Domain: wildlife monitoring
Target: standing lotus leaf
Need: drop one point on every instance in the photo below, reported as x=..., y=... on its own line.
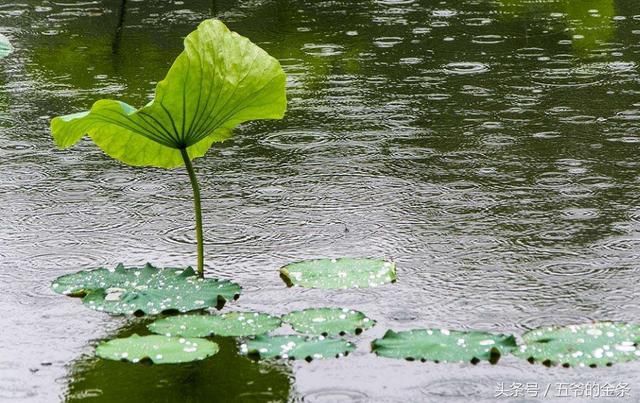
x=441, y=345
x=295, y=347
x=339, y=273
x=234, y=324
x=157, y=349
x=593, y=344
x=5, y=47
x=220, y=80
x=146, y=290
x=328, y=321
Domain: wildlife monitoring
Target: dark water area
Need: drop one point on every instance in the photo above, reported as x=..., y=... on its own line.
x=489, y=147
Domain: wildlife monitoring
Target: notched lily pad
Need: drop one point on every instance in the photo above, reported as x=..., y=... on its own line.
x=328, y=321
x=593, y=344
x=339, y=273
x=295, y=347
x=5, y=46
x=235, y=324
x=146, y=290
x=157, y=349
x=441, y=345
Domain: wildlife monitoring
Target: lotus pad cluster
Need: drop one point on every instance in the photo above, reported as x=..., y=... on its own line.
x=339, y=273
x=148, y=290
x=593, y=344
x=442, y=345
x=235, y=324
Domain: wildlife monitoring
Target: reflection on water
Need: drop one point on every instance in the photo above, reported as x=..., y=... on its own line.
x=225, y=377
x=587, y=25
x=489, y=147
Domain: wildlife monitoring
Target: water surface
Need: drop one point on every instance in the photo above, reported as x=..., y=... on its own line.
x=489, y=148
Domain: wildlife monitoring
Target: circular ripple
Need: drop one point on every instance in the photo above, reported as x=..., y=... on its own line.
x=488, y=39
x=296, y=140
x=323, y=50
x=455, y=388
x=26, y=175
x=116, y=179
x=553, y=318
x=580, y=214
x=529, y=53
x=461, y=68
x=88, y=219
x=334, y=395
x=394, y=2
x=146, y=188
x=579, y=119
x=66, y=260
x=572, y=269
x=222, y=234
x=478, y=21
x=405, y=316
x=622, y=245
x=566, y=77
x=387, y=42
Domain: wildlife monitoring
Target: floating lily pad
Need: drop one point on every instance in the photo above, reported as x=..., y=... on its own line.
x=235, y=324
x=296, y=347
x=147, y=290
x=328, y=321
x=441, y=345
x=339, y=273
x=157, y=349
x=5, y=46
x=593, y=344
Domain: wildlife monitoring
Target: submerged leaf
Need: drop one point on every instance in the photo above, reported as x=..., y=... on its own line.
x=5, y=46
x=339, y=273
x=441, y=345
x=328, y=321
x=296, y=347
x=157, y=349
x=148, y=289
x=593, y=344
x=220, y=80
x=235, y=324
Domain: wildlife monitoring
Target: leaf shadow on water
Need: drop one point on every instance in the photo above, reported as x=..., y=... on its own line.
x=224, y=377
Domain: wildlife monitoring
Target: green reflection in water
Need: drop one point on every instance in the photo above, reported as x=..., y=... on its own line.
x=588, y=23
x=225, y=377
x=593, y=28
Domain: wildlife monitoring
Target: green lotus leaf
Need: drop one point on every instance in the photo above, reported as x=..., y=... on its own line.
x=147, y=290
x=235, y=324
x=328, y=321
x=220, y=80
x=593, y=344
x=157, y=349
x=441, y=345
x=339, y=273
x=5, y=46
x=295, y=347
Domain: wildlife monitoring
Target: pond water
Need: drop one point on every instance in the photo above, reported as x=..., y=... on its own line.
x=489, y=148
